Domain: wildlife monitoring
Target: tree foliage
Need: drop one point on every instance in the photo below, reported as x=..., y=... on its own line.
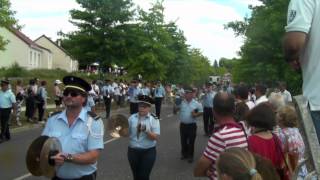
x=6, y=19
x=261, y=55
x=117, y=32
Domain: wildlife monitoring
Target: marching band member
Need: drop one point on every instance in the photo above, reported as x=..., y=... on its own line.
x=144, y=129
x=79, y=131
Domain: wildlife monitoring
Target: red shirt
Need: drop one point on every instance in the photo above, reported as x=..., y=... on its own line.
x=266, y=148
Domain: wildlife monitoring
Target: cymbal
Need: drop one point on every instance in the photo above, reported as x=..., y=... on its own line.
x=118, y=125
x=51, y=147
x=33, y=155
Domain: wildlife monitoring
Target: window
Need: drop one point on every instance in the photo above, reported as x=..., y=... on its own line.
x=34, y=59
x=30, y=59
x=39, y=62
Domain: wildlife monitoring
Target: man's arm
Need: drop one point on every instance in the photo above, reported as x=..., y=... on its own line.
x=202, y=167
x=89, y=157
x=294, y=43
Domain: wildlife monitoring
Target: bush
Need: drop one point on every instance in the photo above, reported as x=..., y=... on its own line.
x=15, y=71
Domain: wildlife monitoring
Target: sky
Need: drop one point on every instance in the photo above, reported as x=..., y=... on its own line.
x=202, y=21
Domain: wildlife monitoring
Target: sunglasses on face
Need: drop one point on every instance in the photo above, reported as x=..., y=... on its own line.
x=71, y=92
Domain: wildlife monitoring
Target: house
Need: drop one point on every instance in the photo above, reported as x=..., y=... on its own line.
x=23, y=51
x=60, y=57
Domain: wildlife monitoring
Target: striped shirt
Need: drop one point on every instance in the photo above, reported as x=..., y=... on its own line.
x=226, y=136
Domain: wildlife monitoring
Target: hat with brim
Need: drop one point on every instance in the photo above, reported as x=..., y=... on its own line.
x=57, y=81
x=77, y=83
x=145, y=100
x=188, y=89
x=4, y=82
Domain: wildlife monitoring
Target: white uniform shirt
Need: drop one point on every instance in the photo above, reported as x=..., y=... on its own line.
x=304, y=16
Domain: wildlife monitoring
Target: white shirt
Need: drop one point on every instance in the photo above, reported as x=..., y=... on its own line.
x=286, y=96
x=261, y=99
x=250, y=104
x=304, y=16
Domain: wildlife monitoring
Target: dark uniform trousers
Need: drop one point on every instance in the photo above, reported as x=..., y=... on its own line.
x=158, y=102
x=92, y=176
x=188, y=133
x=134, y=108
x=141, y=162
x=107, y=103
x=208, y=122
x=4, y=117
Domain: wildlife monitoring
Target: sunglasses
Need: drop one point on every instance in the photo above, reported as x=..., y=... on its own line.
x=71, y=92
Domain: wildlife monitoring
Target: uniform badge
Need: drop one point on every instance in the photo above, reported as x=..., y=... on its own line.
x=292, y=15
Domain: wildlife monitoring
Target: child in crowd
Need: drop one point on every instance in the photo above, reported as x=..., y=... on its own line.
x=239, y=164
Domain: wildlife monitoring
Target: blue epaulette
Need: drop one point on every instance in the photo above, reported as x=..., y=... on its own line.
x=93, y=115
x=55, y=113
x=155, y=116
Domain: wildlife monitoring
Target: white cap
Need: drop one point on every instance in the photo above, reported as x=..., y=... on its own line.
x=57, y=81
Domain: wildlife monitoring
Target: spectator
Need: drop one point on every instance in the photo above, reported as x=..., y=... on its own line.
x=285, y=93
x=42, y=97
x=237, y=164
x=262, y=141
x=57, y=94
x=261, y=93
x=20, y=94
x=30, y=101
x=302, y=50
x=291, y=139
x=226, y=135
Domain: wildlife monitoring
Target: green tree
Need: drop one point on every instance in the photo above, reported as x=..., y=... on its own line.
x=101, y=31
x=6, y=20
x=151, y=53
x=215, y=64
x=261, y=55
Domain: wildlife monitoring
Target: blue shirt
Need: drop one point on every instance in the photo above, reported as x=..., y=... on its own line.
x=133, y=94
x=78, y=138
x=143, y=142
x=7, y=98
x=90, y=103
x=186, y=109
x=208, y=99
x=160, y=92
x=145, y=91
x=43, y=93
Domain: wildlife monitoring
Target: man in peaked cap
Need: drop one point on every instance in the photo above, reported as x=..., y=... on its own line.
x=189, y=109
x=207, y=102
x=79, y=131
x=7, y=102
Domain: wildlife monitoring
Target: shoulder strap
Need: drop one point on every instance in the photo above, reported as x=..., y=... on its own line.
x=55, y=113
x=93, y=115
x=275, y=139
x=155, y=116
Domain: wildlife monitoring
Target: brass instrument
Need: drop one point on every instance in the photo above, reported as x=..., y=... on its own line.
x=118, y=125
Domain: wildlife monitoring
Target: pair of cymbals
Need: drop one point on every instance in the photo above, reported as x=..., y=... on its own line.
x=38, y=159
x=118, y=125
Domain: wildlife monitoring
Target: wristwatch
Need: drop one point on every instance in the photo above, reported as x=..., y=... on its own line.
x=68, y=158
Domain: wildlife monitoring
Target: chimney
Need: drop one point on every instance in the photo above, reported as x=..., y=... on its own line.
x=59, y=42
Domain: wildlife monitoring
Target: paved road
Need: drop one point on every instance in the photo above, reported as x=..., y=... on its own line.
x=113, y=163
